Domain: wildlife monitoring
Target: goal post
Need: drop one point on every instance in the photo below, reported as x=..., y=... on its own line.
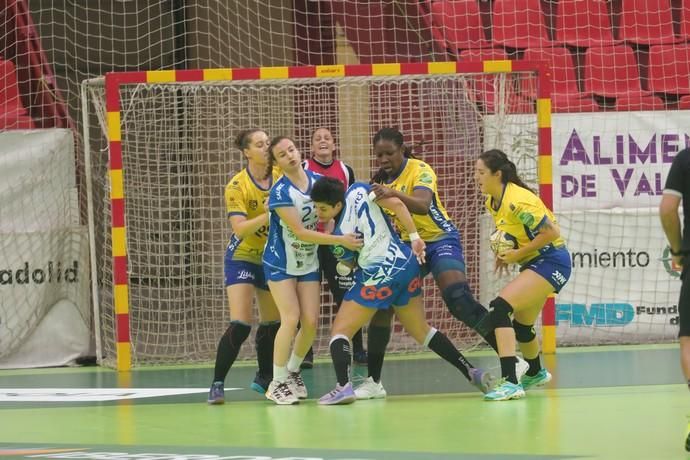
x=158, y=212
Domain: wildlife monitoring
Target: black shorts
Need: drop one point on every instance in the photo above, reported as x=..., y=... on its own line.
x=684, y=300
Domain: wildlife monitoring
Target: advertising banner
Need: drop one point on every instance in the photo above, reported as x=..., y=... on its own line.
x=45, y=315
x=608, y=176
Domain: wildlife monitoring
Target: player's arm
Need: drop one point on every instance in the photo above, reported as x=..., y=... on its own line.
x=670, y=221
x=547, y=232
x=397, y=207
x=288, y=214
x=243, y=227
x=417, y=203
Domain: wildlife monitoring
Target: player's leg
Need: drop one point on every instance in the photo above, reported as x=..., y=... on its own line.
x=284, y=293
x=378, y=336
x=308, y=293
x=684, y=332
x=350, y=318
x=338, y=285
x=522, y=293
x=414, y=321
x=269, y=322
x=447, y=265
x=523, y=324
x=240, y=299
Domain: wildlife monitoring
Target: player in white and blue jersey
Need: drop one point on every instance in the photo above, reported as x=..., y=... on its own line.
x=387, y=275
x=291, y=267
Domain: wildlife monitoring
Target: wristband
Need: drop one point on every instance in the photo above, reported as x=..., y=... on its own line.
x=414, y=236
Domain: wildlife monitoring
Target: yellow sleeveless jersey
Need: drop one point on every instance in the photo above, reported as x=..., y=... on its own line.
x=520, y=214
x=435, y=225
x=245, y=198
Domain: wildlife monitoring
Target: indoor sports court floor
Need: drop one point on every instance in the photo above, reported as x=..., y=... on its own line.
x=604, y=403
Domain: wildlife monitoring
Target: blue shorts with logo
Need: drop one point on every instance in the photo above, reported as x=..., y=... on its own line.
x=274, y=274
x=443, y=255
x=243, y=272
x=397, y=292
x=555, y=266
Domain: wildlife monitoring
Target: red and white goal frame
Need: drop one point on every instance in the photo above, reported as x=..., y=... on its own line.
x=115, y=80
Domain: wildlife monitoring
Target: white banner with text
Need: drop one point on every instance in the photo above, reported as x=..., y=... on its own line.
x=45, y=315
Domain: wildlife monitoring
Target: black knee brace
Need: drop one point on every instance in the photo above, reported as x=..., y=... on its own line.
x=524, y=333
x=237, y=333
x=500, y=313
x=462, y=305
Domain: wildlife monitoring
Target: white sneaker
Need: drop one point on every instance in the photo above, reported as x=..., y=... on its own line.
x=521, y=368
x=370, y=390
x=281, y=394
x=297, y=385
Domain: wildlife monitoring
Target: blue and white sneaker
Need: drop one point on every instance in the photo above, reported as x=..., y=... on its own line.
x=504, y=391
x=216, y=394
x=540, y=379
x=339, y=395
x=482, y=379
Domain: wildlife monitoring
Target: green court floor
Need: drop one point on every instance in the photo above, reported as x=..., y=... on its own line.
x=604, y=403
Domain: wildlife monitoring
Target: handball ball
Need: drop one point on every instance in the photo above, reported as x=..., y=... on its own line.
x=501, y=241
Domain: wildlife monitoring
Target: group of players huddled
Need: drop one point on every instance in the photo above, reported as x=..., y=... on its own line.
x=294, y=221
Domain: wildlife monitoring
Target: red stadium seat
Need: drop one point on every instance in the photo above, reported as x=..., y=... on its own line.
x=583, y=23
x=611, y=71
x=519, y=24
x=563, y=77
x=573, y=104
x=684, y=103
x=646, y=22
x=637, y=102
x=9, y=90
x=482, y=88
x=565, y=95
x=460, y=23
x=685, y=20
x=669, y=69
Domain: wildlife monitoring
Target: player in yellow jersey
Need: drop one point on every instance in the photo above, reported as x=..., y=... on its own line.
x=528, y=235
x=245, y=197
x=414, y=183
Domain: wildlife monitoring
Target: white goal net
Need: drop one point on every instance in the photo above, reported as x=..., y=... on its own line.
x=177, y=155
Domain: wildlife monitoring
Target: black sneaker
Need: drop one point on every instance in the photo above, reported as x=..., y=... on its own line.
x=260, y=383
x=361, y=358
x=308, y=362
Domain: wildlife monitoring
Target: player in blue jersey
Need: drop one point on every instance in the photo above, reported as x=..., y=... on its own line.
x=528, y=235
x=291, y=267
x=245, y=196
x=387, y=276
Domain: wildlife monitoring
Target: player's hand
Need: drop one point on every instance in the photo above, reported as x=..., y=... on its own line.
x=678, y=261
x=419, y=249
x=501, y=268
x=382, y=191
x=510, y=256
x=351, y=241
